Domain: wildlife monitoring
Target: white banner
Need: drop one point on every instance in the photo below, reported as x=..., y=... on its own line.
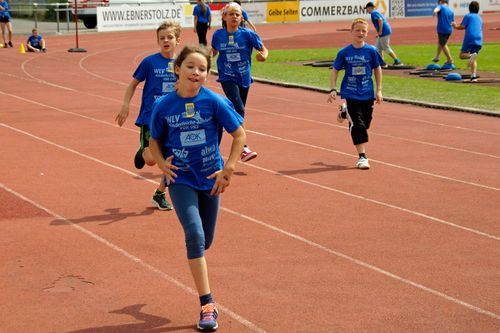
x=339, y=10
x=119, y=18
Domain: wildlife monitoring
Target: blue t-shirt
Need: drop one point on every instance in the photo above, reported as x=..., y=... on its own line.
x=197, y=12
x=445, y=17
x=6, y=13
x=473, y=29
x=35, y=41
x=158, y=72
x=235, y=54
x=189, y=128
x=358, y=64
x=386, y=28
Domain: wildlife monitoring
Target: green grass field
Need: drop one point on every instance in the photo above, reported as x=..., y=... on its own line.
x=286, y=66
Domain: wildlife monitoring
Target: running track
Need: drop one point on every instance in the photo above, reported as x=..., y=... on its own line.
x=305, y=242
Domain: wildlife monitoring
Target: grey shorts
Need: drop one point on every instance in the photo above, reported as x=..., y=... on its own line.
x=383, y=43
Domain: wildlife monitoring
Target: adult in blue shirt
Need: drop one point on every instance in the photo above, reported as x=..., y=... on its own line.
x=445, y=19
x=384, y=32
x=5, y=23
x=359, y=61
x=473, y=38
x=202, y=21
x=235, y=45
x=185, y=144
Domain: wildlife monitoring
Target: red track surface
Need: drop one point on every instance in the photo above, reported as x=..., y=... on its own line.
x=305, y=242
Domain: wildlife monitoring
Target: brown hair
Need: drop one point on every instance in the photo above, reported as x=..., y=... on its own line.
x=189, y=49
x=175, y=26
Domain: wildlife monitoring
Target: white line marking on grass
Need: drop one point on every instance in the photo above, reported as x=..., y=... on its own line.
x=135, y=259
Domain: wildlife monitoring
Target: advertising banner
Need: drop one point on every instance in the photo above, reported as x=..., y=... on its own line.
x=119, y=18
x=340, y=10
x=419, y=7
x=286, y=11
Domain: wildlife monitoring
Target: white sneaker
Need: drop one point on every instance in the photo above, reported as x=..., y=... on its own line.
x=363, y=163
x=472, y=58
x=247, y=154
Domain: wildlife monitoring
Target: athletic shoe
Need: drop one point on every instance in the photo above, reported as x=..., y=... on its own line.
x=449, y=62
x=342, y=114
x=472, y=58
x=160, y=202
x=247, y=154
x=397, y=62
x=44, y=50
x=139, y=160
x=474, y=77
x=10, y=44
x=208, y=318
x=363, y=163
x=435, y=59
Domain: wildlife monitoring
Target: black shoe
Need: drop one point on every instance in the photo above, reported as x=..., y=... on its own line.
x=160, y=202
x=139, y=160
x=10, y=44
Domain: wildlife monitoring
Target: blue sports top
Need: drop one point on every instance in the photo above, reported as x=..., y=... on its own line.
x=158, y=72
x=189, y=128
x=35, y=41
x=386, y=28
x=473, y=29
x=235, y=54
x=445, y=17
x=5, y=5
x=197, y=12
x=358, y=64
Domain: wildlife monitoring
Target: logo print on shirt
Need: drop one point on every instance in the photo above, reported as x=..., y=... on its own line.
x=193, y=138
x=170, y=67
x=231, y=40
x=190, y=111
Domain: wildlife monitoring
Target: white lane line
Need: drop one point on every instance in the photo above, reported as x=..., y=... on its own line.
x=278, y=138
x=135, y=259
x=253, y=220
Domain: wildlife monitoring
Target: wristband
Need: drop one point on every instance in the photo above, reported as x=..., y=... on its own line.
x=333, y=89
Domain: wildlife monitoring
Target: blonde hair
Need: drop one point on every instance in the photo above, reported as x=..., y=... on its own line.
x=358, y=20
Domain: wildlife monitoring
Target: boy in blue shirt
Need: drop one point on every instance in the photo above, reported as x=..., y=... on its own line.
x=359, y=60
x=157, y=70
x=185, y=128
x=35, y=42
x=473, y=38
x=445, y=20
x=384, y=32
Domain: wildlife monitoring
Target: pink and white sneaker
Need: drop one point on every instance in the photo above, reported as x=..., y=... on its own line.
x=247, y=154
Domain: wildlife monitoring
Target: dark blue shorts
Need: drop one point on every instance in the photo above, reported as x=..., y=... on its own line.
x=471, y=48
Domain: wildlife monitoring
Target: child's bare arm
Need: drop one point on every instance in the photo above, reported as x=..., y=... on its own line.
x=129, y=93
x=378, y=82
x=332, y=95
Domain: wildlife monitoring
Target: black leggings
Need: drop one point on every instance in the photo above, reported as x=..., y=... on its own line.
x=360, y=118
x=201, y=30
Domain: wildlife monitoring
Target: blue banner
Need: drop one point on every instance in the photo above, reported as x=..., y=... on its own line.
x=419, y=7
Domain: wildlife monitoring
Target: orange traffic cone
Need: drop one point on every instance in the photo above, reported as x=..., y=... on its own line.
x=21, y=49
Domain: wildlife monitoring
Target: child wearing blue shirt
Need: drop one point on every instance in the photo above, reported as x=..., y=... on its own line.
x=35, y=42
x=445, y=20
x=473, y=38
x=384, y=32
x=157, y=71
x=202, y=21
x=5, y=23
x=234, y=45
x=359, y=61
x=185, y=128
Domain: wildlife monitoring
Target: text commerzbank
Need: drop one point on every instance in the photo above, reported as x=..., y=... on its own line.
x=345, y=10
